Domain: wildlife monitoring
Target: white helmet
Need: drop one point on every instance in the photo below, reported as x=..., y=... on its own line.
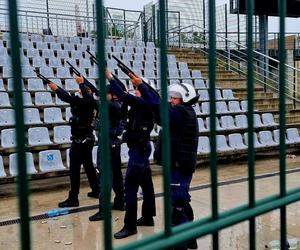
x=182, y=90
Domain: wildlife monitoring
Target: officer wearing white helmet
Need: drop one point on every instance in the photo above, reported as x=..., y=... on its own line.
x=184, y=142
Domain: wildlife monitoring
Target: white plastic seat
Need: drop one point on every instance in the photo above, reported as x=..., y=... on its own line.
x=27, y=72
x=183, y=66
x=257, y=121
x=150, y=50
x=127, y=57
x=3, y=51
x=227, y=94
x=124, y=153
x=36, y=38
x=257, y=144
x=63, y=72
x=139, y=57
x=62, y=39
x=94, y=73
x=5, y=61
x=31, y=53
x=150, y=57
x=207, y=120
x=140, y=44
x=112, y=64
x=47, y=72
x=38, y=136
x=68, y=47
x=222, y=145
x=7, y=117
x=25, y=44
x=199, y=84
x=86, y=40
x=197, y=109
x=59, y=102
x=13, y=164
x=244, y=105
x=53, y=115
x=2, y=171
x=185, y=74
x=50, y=160
x=38, y=61
x=10, y=84
x=196, y=73
x=117, y=49
x=76, y=54
x=234, y=107
x=81, y=47
x=47, y=53
x=236, y=141
x=35, y=84
x=27, y=101
x=129, y=49
x=68, y=113
x=205, y=107
x=266, y=138
x=221, y=107
x=268, y=119
x=149, y=73
x=227, y=122
x=56, y=81
x=74, y=40
x=7, y=72
x=85, y=63
x=293, y=135
x=4, y=100
x=62, y=134
x=54, y=62
x=8, y=138
x=43, y=99
x=63, y=54
x=203, y=145
x=276, y=137
x=55, y=46
x=49, y=39
x=201, y=125
x=203, y=95
x=41, y=45
x=71, y=85
x=2, y=85
x=32, y=116
x=241, y=121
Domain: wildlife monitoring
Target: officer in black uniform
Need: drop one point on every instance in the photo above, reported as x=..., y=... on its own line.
x=137, y=136
x=116, y=127
x=84, y=109
x=184, y=142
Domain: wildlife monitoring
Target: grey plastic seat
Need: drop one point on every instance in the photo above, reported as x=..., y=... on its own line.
x=149, y=65
x=4, y=100
x=221, y=107
x=196, y=73
x=86, y=40
x=85, y=63
x=207, y=120
x=127, y=57
x=268, y=119
x=5, y=61
x=81, y=47
x=139, y=57
x=276, y=137
x=49, y=39
x=173, y=73
x=25, y=44
x=197, y=109
x=203, y=95
x=43, y=99
x=257, y=144
x=205, y=107
x=241, y=121
x=36, y=38
x=124, y=153
x=117, y=49
x=7, y=117
x=71, y=85
x=227, y=122
x=62, y=134
x=8, y=138
x=74, y=40
x=129, y=50
x=183, y=66
x=55, y=46
x=109, y=42
x=130, y=43
x=149, y=73
x=140, y=44
x=266, y=138
x=47, y=53
x=56, y=81
x=27, y=101
x=94, y=73
x=185, y=74
x=76, y=54
x=201, y=125
x=62, y=39
x=2, y=85
x=13, y=164
x=222, y=145
x=203, y=145
x=27, y=72
x=55, y=62
x=53, y=115
x=2, y=171
x=236, y=141
x=63, y=72
x=59, y=102
x=3, y=51
x=47, y=72
x=7, y=72
x=257, y=121
x=293, y=135
x=32, y=116
x=41, y=45
x=171, y=58
x=38, y=61
x=244, y=105
x=150, y=57
x=38, y=136
x=50, y=160
x=31, y=53
x=218, y=94
x=228, y=94
x=234, y=107
x=68, y=47
x=150, y=50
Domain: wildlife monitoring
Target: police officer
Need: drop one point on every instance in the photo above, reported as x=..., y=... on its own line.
x=184, y=142
x=137, y=136
x=84, y=109
x=116, y=126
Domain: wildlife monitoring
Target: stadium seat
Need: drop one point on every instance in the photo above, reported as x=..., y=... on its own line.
x=27, y=101
x=234, y=107
x=55, y=46
x=227, y=94
x=13, y=164
x=124, y=153
x=266, y=138
x=7, y=117
x=196, y=73
x=130, y=43
x=7, y=71
x=47, y=53
x=185, y=74
x=86, y=40
x=203, y=95
x=222, y=145
x=36, y=38
x=201, y=125
x=268, y=119
x=49, y=39
x=197, y=109
x=221, y=107
x=8, y=138
x=257, y=121
x=50, y=160
x=38, y=61
x=2, y=171
x=5, y=61
x=76, y=54
x=150, y=57
x=276, y=137
x=2, y=85
x=62, y=39
x=54, y=62
x=227, y=122
x=3, y=52
x=59, y=102
x=27, y=72
x=257, y=144
x=47, y=72
x=32, y=116
x=71, y=85
x=236, y=141
x=149, y=73
x=53, y=115
x=218, y=127
x=244, y=105
x=150, y=50
x=68, y=113
x=241, y=121
x=10, y=86
x=63, y=72
x=43, y=99
x=41, y=45
x=35, y=84
x=199, y=84
x=203, y=145
x=4, y=100
x=140, y=44
x=62, y=134
x=62, y=54
x=109, y=42
x=38, y=136
x=85, y=63
x=139, y=57
x=67, y=47
x=293, y=135
x=74, y=40
x=205, y=107
x=129, y=50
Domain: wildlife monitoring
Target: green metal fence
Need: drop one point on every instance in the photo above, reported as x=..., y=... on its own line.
x=218, y=220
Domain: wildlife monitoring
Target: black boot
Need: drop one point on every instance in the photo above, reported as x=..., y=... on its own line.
x=70, y=202
x=93, y=194
x=96, y=217
x=145, y=221
x=192, y=244
x=124, y=232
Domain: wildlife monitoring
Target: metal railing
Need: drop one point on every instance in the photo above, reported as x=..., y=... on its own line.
x=170, y=237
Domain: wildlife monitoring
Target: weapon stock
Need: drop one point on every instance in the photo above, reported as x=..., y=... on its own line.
x=45, y=80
